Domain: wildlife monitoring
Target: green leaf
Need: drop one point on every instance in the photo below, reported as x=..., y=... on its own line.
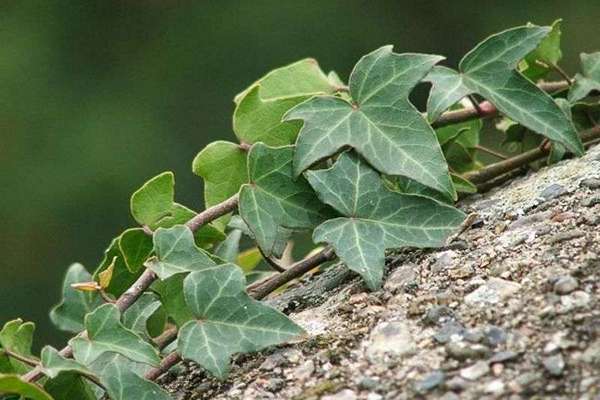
x=122, y=380
x=374, y=218
x=136, y=247
x=69, y=386
x=145, y=311
x=53, y=363
x=122, y=277
x=274, y=202
x=459, y=143
x=539, y=62
x=227, y=321
x=463, y=185
x=260, y=108
x=589, y=81
x=173, y=300
x=16, y=336
x=381, y=124
x=69, y=314
x=249, y=259
x=176, y=252
x=12, y=384
x=281, y=240
x=154, y=205
x=229, y=249
x=106, y=333
x=489, y=70
x=153, y=201
x=222, y=165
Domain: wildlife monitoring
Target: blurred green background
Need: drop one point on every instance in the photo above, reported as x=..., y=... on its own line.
x=98, y=96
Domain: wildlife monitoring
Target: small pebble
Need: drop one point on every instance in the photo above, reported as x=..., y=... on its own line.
x=565, y=284
x=554, y=364
x=430, y=381
x=475, y=371
x=591, y=183
x=591, y=201
x=564, y=236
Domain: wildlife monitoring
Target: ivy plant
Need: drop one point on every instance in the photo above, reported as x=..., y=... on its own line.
x=357, y=165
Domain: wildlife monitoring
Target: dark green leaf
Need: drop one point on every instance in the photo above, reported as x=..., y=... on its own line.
x=489, y=70
x=69, y=314
x=228, y=320
x=274, y=202
x=381, y=123
x=374, y=218
x=136, y=247
x=12, y=384
x=176, y=252
x=146, y=311
x=539, y=62
x=106, y=333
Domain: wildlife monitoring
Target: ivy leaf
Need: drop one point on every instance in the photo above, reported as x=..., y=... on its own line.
x=589, y=81
x=374, y=218
x=69, y=386
x=260, y=108
x=539, y=62
x=16, y=336
x=12, y=384
x=106, y=333
x=173, y=300
x=69, y=314
x=229, y=248
x=281, y=240
x=53, y=363
x=176, y=252
x=154, y=205
x=489, y=70
x=381, y=124
x=274, y=202
x=222, y=165
x=249, y=259
x=144, y=313
x=122, y=379
x=227, y=321
x=122, y=277
x=459, y=143
x=136, y=247
x=463, y=185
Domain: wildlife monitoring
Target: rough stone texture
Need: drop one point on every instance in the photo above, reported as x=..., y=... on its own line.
x=511, y=309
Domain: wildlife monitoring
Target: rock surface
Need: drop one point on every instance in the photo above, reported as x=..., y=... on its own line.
x=511, y=309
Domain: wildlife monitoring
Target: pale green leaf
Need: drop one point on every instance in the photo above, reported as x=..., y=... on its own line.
x=106, y=333
x=53, y=363
x=463, y=185
x=260, y=108
x=152, y=202
x=374, y=218
x=122, y=277
x=176, y=252
x=222, y=165
x=275, y=202
x=380, y=123
x=539, y=62
x=249, y=259
x=16, y=336
x=589, y=80
x=140, y=315
x=12, y=384
x=229, y=248
x=227, y=321
x=489, y=70
x=69, y=314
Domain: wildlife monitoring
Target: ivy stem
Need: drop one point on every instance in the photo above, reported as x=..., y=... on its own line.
x=495, y=170
x=487, y=109
x=18, y=357
x=491, y=152
x=214, y=212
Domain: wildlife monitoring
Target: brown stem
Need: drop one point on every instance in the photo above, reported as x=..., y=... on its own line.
x=261, y=289
x=487, y=109
x=214, y=212
x=271, y=261
x=165, y=364
x=491, y=152
x=18, y=357
x=500, y=168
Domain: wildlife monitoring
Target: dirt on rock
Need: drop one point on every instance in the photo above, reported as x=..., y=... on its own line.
x=510, y=309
